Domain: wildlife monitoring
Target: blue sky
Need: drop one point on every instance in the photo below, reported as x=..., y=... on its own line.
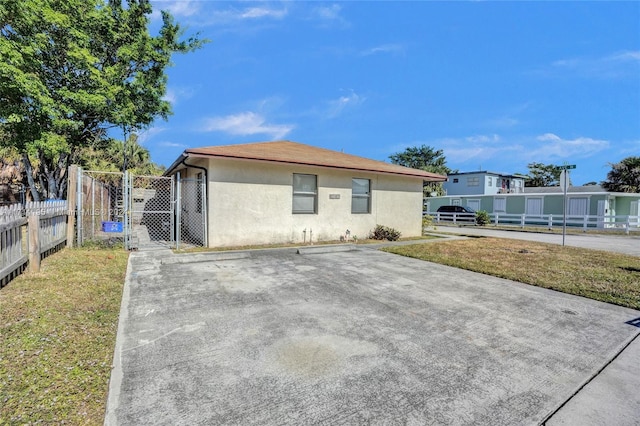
x=495, y=85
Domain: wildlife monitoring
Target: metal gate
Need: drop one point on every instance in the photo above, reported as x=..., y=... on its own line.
x=100, y=207
x=142, y=212
x=192, y=212
x=149, y=221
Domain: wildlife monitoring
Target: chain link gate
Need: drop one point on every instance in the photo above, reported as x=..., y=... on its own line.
x=100, y=206
x=192, y=212
x=150, y=206
x=141, y=211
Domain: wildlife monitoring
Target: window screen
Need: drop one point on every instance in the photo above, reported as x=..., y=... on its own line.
x=360, y=196
x=305, y=193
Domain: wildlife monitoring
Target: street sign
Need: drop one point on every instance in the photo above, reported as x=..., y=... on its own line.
x=567, y=167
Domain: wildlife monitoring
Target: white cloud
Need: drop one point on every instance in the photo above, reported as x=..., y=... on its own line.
x=625, y=56
x=483, y=138
x=245, y=124
x=509, y=118
x=168, y=144
x=262, y=12
x=613, y=66
x=330, y=16
x=384, y=48
x=552, y=146
x=511, y=154
x=174, y=95
x=178, y=8
x=145, y=135
x=336, y=106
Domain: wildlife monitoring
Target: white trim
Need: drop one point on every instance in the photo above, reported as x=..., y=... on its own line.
x=474, y=200
x=526, y=205
x=503, y=199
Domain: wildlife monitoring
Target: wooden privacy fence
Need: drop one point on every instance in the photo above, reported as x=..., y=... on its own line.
x=29, y=233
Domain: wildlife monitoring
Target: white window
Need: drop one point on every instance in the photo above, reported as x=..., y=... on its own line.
x=490, y=179
x=500, y=205
x=473, y=181
x=473, y=205
x=305, y=193
x=534, y=207
x=577, y=206
x=456, y=202
x=360, y=195
x=634, y=212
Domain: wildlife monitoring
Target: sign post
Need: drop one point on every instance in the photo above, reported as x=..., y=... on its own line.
x=564, y=184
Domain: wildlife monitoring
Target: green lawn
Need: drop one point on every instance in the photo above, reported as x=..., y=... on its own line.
x=599, y=275
x=57, y=336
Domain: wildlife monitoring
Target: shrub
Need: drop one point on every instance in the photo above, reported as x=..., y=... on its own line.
x=384, y=233
x=482, y=218
x=427, y=221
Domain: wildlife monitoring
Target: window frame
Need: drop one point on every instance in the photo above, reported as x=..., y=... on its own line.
x=366, y=195
x=304, y=194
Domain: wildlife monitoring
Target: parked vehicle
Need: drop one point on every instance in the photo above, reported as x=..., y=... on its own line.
x=456, y=214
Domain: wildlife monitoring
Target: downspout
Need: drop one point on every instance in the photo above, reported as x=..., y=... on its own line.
x=206, y=191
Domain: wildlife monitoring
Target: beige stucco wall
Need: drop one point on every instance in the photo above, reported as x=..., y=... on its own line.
x=250, y=203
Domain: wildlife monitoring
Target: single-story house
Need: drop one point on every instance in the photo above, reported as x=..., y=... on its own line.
x=283, y=191
x=600, y=207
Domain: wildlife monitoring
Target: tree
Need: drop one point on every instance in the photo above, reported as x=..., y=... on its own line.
x=624, y=176
x=113, y=155
x=424, y=158
x=543, y=175
x=71, y=70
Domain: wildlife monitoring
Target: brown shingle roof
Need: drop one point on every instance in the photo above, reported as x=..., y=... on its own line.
x=297, y=153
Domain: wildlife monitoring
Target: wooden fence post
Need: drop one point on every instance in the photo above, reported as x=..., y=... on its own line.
x=34, y=241
x=72, y=184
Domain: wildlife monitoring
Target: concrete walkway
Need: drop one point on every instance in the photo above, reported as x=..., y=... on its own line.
x=328, y=336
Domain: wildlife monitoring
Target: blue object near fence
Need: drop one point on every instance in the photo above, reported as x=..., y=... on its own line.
x=111, y=226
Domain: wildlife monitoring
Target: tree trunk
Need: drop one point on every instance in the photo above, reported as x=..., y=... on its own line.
x=48, y=173
x=28, y=169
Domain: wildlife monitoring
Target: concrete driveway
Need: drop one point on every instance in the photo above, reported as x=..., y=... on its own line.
x=359, y=337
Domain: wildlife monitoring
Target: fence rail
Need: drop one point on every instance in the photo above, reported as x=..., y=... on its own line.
x=29, y=233
x=550, y=221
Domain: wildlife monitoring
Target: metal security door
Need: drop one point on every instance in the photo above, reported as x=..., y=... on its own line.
x=191, y=214
x=150, y=219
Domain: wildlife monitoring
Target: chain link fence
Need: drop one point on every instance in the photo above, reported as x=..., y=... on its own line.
x=141, y=211
x=101, y=207
x=151, y=211
x=192, y=213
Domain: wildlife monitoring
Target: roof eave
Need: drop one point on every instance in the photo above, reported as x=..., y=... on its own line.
x=430, y=178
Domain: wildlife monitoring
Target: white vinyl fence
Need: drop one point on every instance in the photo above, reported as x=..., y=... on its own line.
x=29, y=233
x=550, y=221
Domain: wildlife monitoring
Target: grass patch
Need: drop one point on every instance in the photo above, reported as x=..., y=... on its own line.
x=541, y=229
x=599, y=275
x=57, y=336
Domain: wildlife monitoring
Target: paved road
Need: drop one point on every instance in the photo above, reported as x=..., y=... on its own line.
x=627, y=244
x=357, y=337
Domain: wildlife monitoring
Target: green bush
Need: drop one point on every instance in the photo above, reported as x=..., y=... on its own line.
x=384, y=233
x=482, y=218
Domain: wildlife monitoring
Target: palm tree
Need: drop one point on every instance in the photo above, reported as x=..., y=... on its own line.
x=624, y=176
